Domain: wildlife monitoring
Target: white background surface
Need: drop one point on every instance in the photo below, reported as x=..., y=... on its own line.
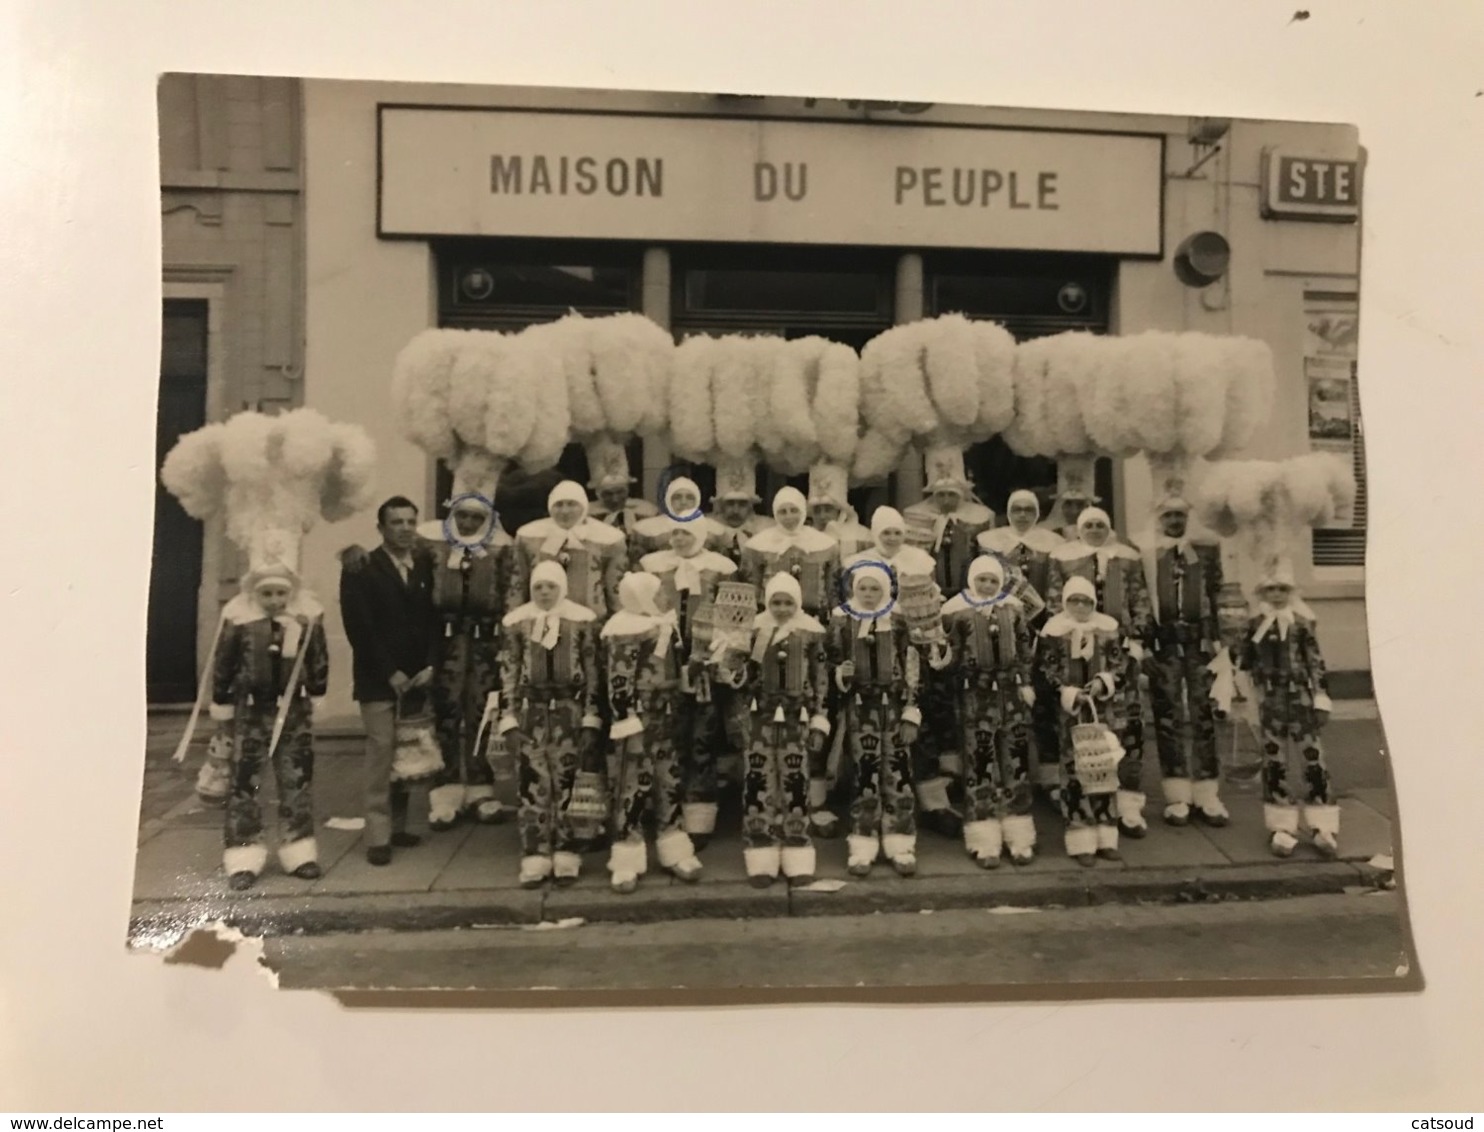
x=84, y=1026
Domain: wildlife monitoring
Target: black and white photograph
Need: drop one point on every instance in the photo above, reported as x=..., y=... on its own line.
x=623, y=541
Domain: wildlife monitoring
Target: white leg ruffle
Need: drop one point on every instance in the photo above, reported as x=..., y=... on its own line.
x=1130, y=805
x=1178, y=797
x=1325, y=822
x=566, y=865
x=1020, y=836
x=1206, y=798
x=1107, y=836
x=899, y=846
x=984, y=839
x=1280, y=818
x=534, y=870
x=629, y=857
x=698, y=818
x=245, y=858
x=1081, y=840
x=677, y=853
x=861, y=851
x=445, y=802
x=797, y=861
x=763, y=861
x=1282, y=823
x=293, y=854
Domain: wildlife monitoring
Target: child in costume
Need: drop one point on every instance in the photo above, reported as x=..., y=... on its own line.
x=1183, y=574
x=1027, y=548
x=1116, y=572
x=935, y=765
x=990, y=638
x=789, y=547
x=593, y=556
x=1281, y=654
x=269, y=477
x=876, y=673
x=642, y=659
x=688, y=575
x=787, y=676
x=1081, y=659
x=551, y=680
x=812, y=559
x=682, y=504
x=472, y=569
x=272, y=668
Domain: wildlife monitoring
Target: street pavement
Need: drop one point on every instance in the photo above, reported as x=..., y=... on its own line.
x=1209, y=948
x=466, y=877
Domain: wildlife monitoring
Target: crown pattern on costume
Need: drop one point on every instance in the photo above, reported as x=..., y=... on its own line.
x=1074, y=477
x=736, y=477
x=828, y=483
x=607, y=463
x=944, y=467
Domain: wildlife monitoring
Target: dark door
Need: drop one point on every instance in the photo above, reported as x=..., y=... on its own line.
x=175, y=575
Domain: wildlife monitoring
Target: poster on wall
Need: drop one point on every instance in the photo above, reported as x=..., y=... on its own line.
x=1332, y=331
x=1330, y=422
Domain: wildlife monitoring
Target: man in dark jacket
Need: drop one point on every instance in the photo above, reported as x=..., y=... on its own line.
x=387, y=608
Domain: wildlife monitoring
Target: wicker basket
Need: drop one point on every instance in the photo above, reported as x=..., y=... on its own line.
x=417, y=756
x=920, y=532
x=732, y=615
x=587, y=809
x=1096, y=754
x=919, y=601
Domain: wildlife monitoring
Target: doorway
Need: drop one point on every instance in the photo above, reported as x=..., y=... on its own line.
x=176, y=565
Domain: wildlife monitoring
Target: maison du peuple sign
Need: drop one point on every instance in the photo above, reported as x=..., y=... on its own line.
x=455, y=171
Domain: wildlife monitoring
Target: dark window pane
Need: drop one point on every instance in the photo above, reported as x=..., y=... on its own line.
x=541, y=285
x=1009, y=296
x=760, y=290
x=183, y=349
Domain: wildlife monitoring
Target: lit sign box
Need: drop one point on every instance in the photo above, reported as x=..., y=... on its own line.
x=482, y=172
x=1300, y=187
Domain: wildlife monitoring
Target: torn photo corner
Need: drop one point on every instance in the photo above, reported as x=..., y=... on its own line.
x=802, y=545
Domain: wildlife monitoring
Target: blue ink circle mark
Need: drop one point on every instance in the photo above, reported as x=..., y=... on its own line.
x=844, y=585
x=1006, y=583
x=667, y=477
x=450, y=533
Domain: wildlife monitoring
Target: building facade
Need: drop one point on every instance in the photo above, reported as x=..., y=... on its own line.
x=233, y=329
x=497, y=207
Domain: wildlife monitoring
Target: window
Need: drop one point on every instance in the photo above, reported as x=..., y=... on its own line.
x=783, y=291
x=1029, y=295
x=509, y=284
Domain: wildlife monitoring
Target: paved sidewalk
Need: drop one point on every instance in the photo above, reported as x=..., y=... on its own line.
x=466, y=877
